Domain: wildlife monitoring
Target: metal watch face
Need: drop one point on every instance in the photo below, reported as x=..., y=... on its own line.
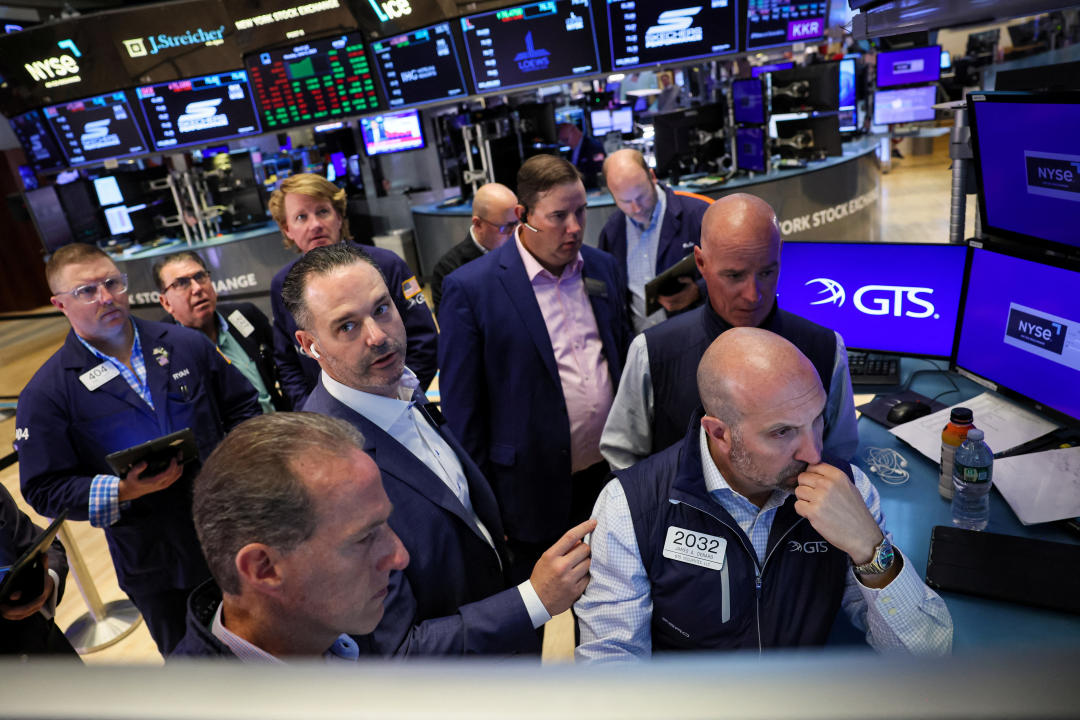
x=883, y=560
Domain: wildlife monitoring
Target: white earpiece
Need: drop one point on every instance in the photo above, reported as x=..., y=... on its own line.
x=315, y=352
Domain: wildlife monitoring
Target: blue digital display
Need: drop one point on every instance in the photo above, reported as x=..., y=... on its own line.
x=392, y=132
x=748, y=101
x=762, y=69
x=912, y=66
x=1021, y=329
x=750, y=149
x=846, y=104
x=1028, y=161
x=878, y=296
x=904, y=105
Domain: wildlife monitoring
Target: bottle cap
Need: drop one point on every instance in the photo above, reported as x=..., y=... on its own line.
x=975, y=434
x=960, y=415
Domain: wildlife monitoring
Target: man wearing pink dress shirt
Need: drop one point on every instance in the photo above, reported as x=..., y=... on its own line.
x=532, y=345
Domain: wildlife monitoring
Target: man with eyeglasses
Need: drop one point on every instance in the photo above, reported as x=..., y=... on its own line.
x=533, y=339
x=493, y=221
x=118, y=382
x=240, y=330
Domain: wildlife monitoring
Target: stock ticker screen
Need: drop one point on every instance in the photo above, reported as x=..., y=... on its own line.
x=37, y=140
x=420, y=66
x=535, y=43
x=312, y=82
x=779, y=22
x=186, y=112
x=96, y=128
x=648, y=32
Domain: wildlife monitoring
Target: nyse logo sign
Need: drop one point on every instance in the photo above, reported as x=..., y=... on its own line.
x=1053, y=175
x=1037, y=331
x=201, y=115
x=673, y=27
x=898, y=300
x=58, y=69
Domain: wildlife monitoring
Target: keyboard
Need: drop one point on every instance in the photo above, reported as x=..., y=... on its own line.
x=871, y=369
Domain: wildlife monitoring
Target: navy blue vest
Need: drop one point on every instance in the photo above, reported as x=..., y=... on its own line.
x=790, y=601
x=675, y=349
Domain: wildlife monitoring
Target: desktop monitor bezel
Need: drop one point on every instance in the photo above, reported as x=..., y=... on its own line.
x=935, y=67
x=907, y=88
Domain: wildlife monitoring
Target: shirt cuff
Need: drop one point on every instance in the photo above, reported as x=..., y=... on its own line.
x=104, y=500
x=538, y=614
x=906, y=590
x=49, y=608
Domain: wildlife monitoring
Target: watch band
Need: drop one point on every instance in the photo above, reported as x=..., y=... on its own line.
x=880, y=562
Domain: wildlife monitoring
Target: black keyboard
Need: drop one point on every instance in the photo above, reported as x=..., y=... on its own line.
x=871, y=369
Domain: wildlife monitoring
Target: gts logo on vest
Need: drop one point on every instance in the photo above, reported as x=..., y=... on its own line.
x=880, y=299
x=811, y=547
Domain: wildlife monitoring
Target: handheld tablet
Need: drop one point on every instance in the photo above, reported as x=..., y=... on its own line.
x=667, y=282
x=157, y=453
x=27, y=575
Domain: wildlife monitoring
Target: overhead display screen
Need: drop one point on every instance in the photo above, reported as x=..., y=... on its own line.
x=186, y=112
x=391, y=133
x=96, y=128
x=649, y=32
x=420, y=66
x=536, y=43
x=312, y=82
x=38, y=142
x=781, y=22
x=904, y=105
x=912, y=66
x=748, y=101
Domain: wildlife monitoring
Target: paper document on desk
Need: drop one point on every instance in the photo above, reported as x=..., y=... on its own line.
x=1005, y=425
x=1041, y=487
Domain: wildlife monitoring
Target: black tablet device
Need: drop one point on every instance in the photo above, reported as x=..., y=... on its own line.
x=157, y=453
x=667, y=282
x=27, y=575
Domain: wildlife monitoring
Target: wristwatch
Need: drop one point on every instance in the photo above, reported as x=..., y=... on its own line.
x=882, y=560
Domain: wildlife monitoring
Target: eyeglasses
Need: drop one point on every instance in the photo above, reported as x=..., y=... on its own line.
x=504, y=229
x=115, y=285
x=184, y=282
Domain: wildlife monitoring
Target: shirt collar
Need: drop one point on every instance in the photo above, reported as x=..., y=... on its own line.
x=136, y=346
x=715, y=482
x=344, y=647
x=383, y=411
x=657, y=213
x=533, y=266
x=476, y=242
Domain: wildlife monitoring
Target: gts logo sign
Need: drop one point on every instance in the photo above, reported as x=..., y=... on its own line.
x=898, y=300
x=811, y=547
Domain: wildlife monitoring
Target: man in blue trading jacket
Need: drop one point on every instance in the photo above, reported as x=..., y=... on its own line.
x=739, y=258
x=118, y=382
x=454, y=598
x=653, y=229
x=744, y=535
x=310, y=210
x=535, y=332
x=240, y=330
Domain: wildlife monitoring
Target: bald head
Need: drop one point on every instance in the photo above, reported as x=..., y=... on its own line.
x=632, y=184
x=493, y=208
x=746, y=370
x=740, y=258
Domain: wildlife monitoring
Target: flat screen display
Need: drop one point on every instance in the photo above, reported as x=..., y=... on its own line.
x=420, y=66
x=848, y=115
x=37, y=140
x=781, y=22
x=392, y=132
x=878, y=296
x=1027, y=162
x=912, y=66
x=904, y=105
x=748, y=101
x=750, y=149
x=1021, y=329
x=759, y=70
x=650, y=32
x=49, y=217
x=107, y=190
x=535, y=43
x=605, y=121
x=96, y=128
x=198, y=110
x=312, y=82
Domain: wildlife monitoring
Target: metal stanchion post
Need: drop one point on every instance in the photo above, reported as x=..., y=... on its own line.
x=106, y=623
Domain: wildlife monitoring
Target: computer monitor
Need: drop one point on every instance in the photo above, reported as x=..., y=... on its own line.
x=420, y=66
x=392, y=132
x=946, y=60
x=49, y=218
x=813, y=138
x=750, y=149
x=849, y=118
x=572, y=114
x=883, y=297
x=37, y=141
x=199, y=110
x=904, y=105
x=1027, y=166
x=982, y=43
x=759, y=70
x=536, y=43
x=96, y=128
x=108, y=191
x=622, y=120
x=688, y=137
x=312, y=82
x=652, y=32
x=810, y=88
x=911, y=66
x=768, y=23
x=748, y=101
x=600, y=121
x=1020, y=330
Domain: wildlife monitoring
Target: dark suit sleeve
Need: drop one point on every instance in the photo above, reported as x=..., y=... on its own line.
x=463, y=384
x=17, y=534
x=498, y=624
x=294, y=382
x=421, y=349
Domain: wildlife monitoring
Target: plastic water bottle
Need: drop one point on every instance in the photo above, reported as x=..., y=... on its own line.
x=973, y=469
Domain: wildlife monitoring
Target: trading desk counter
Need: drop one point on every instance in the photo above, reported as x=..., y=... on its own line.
x=835, y=200
x=914, y=508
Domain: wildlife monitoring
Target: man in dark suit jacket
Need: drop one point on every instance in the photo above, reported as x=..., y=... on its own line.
x=663, y=227
x=454, y=597
x=240, y=330
x=586, y=153
x=493, y=220
x=534, y=335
